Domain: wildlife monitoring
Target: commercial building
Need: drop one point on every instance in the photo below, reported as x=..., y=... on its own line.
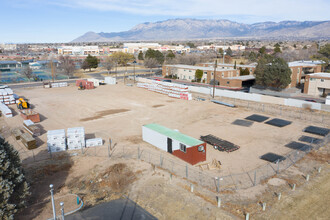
x=8, y=47
x=134, y=48
x=79, y=50
x=317, y=84
x=226, y=77
x=235, y=47
x=186, y=148
x=8, y=65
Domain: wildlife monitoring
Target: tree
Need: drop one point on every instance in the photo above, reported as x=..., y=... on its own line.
x=155, y=54
x=252, y=57
x=67, y=65
x=220, y=51
x=122, y=58
x=14, y=189
x=150, y=63
x=229, y=52
x=191, y=45
x=170, y=55
x=27, y=72
x=277, y=49
x=198, y=75
x=262, y=50
x=140, y=56
x=84, y=65
x=108, y=64
x=244, y=72
x=235, y=65
x=92, y=62
x=325, y=51
x=276, y=74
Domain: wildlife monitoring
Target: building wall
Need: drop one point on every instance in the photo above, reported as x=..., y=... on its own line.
x=231, y=83
x=314, y=86
x=192, y=154
x=297, y=73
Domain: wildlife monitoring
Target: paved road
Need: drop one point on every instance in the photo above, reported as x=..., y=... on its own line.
x=120, y=209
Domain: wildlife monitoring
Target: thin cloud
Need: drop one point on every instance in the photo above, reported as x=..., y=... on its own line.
x=278, y=9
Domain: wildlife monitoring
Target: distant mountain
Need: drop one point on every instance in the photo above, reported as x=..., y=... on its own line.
x=189, y=29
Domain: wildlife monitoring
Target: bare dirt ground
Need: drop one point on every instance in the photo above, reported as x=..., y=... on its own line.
x=118, y=112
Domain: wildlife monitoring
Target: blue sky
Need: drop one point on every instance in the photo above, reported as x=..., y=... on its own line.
x=64, y=20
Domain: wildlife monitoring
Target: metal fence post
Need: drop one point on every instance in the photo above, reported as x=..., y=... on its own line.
x=161, y=161
x=186, y=171
x=139, y=157
x=109, y=150
x=34, y=159
x=52, y=198
x=255, y=178
x=62, y=209
x=278, y=166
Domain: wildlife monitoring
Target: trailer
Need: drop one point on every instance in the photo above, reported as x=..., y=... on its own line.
x=186, y=148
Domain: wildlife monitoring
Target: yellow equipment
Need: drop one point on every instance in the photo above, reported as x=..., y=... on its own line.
x=22, y=104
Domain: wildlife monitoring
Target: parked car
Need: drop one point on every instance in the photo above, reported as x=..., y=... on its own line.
x=310, y=100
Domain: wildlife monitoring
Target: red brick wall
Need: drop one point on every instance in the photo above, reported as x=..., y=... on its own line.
x=192, y=154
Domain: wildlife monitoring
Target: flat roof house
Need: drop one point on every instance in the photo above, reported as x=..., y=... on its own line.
x=226, y=77
x=186, y=148
x=317, y=84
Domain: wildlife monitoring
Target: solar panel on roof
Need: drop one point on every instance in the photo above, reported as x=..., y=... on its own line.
x=278, y=122
x=257, y=118
x=299, y=146
x=273, y=158
x=311, y=140
x=317, y=130
x=244, y=123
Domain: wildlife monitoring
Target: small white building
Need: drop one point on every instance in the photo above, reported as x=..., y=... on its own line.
x=186, y=148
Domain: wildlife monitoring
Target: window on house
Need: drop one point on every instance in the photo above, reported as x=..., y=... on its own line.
x=212, y=73
x=227, y=82
x=183, y=148
x=222, y=74
x=322, y=80
x=205, y=72
x=189, y=77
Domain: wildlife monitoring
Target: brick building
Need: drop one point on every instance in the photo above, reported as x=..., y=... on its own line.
x=300, y=69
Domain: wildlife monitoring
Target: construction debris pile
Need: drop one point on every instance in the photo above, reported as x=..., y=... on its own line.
x=74, y=139
x=170, y=89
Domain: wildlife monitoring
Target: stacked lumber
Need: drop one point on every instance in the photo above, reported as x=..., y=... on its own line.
x=28, y=141
x=31, y=128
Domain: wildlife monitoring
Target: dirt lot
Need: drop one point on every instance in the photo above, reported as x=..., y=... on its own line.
x=119, y=111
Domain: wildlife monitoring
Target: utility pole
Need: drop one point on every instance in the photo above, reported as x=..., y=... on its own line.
x=52, y=68
x=215, y=69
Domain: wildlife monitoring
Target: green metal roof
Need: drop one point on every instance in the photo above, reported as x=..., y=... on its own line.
x=184, y=139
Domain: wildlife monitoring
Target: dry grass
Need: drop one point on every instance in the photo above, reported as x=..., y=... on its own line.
x=318, y=156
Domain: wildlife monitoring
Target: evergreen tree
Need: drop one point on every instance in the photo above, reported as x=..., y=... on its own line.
x=229, y=52
x=262, y=50
x=198, y=75
x=13, y=186
x=140, y=56
x=155, y=54
x=276, y=74
x=92, y=62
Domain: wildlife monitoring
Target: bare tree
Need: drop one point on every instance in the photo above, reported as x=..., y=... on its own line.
x=109, y=64
x=67, y=65
x=188, y=59
x=150, y=63
x=27, y=72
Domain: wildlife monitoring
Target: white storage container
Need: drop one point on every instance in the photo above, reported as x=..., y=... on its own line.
x=94, y=142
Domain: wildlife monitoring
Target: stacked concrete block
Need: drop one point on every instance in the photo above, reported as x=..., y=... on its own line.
x=5, y=110
x=110, y=80
x=56, y=140
x=7, y=96
x=75, y=138
x=94, y=142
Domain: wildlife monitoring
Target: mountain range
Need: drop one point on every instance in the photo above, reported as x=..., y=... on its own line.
x=194, y=29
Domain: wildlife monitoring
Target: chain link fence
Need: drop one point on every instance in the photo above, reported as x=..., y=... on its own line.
x=181, y=169
x=306, y=114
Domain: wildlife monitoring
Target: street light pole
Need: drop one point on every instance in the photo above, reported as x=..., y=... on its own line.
x=134, y=62
x=52, y=198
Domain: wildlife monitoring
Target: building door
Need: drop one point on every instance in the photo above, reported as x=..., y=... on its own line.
x=169, y=145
